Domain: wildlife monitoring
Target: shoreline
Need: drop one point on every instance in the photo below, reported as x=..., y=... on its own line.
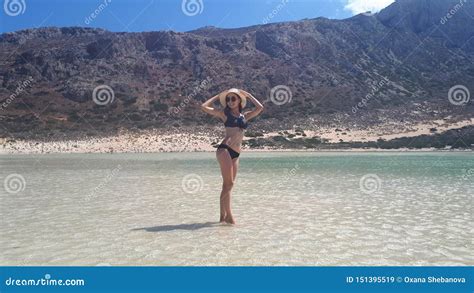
x=206, y=140
x=87, y=147
x=353, y=150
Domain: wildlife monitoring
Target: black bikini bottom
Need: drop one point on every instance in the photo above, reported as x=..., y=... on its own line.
x=233, y=154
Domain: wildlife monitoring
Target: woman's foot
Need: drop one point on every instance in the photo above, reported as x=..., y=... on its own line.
x=229, y=220
x=222, y=219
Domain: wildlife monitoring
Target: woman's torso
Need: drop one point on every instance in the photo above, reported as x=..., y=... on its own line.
x=234, y=131
x=233, y=138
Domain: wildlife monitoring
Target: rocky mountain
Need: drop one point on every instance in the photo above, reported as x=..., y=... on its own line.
x=394, y=66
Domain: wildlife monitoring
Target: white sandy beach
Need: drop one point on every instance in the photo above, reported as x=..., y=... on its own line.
x=202, y=141
x=389, y=132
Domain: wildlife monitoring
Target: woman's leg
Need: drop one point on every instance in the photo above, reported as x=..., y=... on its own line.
x=226, y=166
x=235, y=165
x=228, y=217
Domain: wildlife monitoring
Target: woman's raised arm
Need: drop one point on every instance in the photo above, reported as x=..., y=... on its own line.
x=258, y=107
x=209, y=109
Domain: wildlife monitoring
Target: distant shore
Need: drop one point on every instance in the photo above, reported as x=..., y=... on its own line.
x=206, y=140
x=354, y=150
x=163, y=144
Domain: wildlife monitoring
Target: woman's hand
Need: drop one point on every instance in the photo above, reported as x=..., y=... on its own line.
x=253, y=99
x=258, y=106
x=247, y=94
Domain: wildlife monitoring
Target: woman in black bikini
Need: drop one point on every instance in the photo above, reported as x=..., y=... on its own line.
x=228, y=151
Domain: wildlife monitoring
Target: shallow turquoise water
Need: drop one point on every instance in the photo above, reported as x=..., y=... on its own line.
x=291, y=209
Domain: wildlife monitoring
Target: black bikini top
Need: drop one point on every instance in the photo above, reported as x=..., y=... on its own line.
x=233, y=121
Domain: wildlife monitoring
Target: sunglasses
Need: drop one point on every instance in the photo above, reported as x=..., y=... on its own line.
x=230, y=98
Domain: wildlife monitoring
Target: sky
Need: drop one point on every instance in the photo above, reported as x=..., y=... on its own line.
x=176, y=15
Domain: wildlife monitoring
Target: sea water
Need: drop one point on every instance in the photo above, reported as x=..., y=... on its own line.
x=291, y=208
